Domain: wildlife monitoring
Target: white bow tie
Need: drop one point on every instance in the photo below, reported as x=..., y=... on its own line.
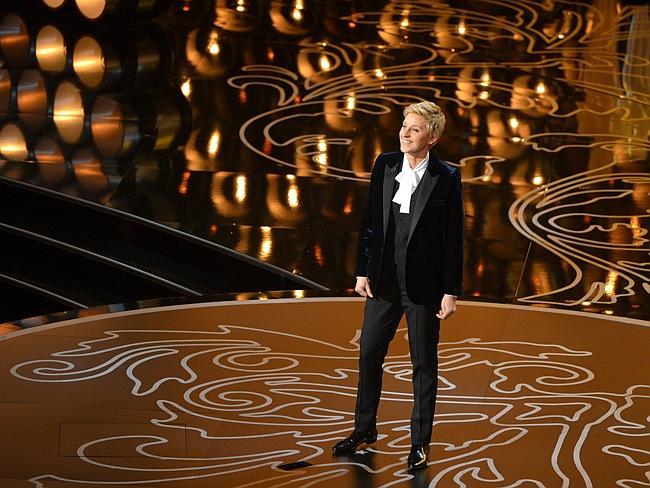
x=408, y=180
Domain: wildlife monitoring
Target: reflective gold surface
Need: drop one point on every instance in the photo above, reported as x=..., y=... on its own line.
x=12, y=143
x=32, y=99
x=114, y=131
x=15, y=41
x=51, y=51
x=48, y=150
x=89, y=62
x=92, y=9
x=224, y=394
x=53, y=3
x=69, y=114
x=255, y=125
x=88, y=172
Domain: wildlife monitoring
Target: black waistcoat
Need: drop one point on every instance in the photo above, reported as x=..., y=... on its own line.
x=394, y=259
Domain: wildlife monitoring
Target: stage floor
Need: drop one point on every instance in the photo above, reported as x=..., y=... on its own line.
x=230, y=393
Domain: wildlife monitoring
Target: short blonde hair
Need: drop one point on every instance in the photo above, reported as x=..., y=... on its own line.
x=432, y=115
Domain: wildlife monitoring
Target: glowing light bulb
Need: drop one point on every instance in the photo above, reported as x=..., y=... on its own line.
x=610, y=283
x=325, y=63
x=214, y=143
x=485, y=79
x=351, y=102
x=186, y=88
x=266, y=246
x=293, y=198
x=240, y=189
x=405, y=19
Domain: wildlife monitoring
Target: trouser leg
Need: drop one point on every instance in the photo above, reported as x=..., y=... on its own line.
x=424, y=331
x=380, y=321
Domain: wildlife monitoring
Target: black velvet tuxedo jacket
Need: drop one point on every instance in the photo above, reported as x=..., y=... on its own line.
x=434, y=255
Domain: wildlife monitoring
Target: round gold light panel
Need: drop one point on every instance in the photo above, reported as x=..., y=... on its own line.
x=88, y=61
x=92, y=9
x=53, y=3
x=68, y=112
x=13, y=145
x=50, y=49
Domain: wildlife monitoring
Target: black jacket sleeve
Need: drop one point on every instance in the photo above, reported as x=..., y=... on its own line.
x=454, y=237
x=366, y=230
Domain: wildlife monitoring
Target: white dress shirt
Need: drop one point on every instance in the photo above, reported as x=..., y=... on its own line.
x=408, y=179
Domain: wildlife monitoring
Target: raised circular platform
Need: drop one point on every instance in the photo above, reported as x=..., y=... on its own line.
x=236, y=393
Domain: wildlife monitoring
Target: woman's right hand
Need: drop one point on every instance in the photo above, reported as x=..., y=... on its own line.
x=363, y=287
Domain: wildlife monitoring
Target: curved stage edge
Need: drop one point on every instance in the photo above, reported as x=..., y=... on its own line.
x=237, y=393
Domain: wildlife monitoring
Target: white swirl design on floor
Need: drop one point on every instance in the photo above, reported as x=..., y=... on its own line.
x=250, y=399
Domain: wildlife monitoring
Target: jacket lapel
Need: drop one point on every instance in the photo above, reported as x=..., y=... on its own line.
x=390, y=170
x=427, y=183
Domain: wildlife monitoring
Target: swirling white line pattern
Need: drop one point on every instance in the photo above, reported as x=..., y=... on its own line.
x=527, y=82
x=570, y=217
x=250, y=399
x=347, y=85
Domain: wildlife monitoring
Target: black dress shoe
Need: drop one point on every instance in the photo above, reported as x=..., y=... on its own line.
x=350, y=444
x=418, y=456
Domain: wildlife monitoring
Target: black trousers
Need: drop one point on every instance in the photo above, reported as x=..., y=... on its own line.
x=381, y=318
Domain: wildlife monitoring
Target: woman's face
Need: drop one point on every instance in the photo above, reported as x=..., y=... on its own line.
x=414, y=138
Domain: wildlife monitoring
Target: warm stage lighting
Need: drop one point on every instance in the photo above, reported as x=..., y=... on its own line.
x=485, y=79
x=186, y=88
x=351, y=102
x=214, y=144
x=53, y=3
x=12, y=143
x=92, y=9
x=266, y=245
x=48, y=151
x=50, y=49
x=88, y=61
x=69, y=113
x=241, y=189
x=324, y=63
x=293, y=196
x=88, y=172
x=114, y=127
x=32, y=99
x=15, y=42
x=52, y=169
